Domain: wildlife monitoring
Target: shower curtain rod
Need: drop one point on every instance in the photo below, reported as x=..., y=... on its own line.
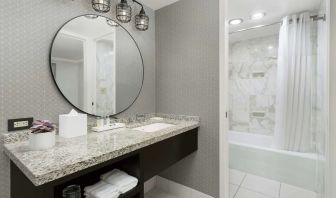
x=315, y=18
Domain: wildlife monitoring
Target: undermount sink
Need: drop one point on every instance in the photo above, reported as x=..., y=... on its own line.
x=153, y=127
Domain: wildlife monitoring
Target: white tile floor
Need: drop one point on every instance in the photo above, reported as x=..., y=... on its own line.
x=157, y=193
x=163, y=188
x=243, y=185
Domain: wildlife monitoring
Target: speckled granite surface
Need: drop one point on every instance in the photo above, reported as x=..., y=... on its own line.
x=75, y=154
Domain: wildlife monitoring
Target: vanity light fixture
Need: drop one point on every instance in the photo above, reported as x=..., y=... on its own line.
x=141, y=19
x=258, y=15
x=111, y=23
x=235, y=21
x=101, y=6
x=124, y=12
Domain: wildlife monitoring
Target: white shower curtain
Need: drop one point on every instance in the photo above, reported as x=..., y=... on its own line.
x=294, y=85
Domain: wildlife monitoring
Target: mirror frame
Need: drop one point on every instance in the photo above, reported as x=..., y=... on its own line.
x=58, y=88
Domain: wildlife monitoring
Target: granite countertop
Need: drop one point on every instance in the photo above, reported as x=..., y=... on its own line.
x=75, y=154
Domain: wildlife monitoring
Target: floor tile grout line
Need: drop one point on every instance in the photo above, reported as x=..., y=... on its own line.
x=241, y=183
x=163, y=191
x=239, y=186
x=258, y=192
x=277, y=194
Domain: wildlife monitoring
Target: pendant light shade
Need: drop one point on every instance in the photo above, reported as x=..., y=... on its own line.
x=101, y=6
x=124, y=12
x=142, y=21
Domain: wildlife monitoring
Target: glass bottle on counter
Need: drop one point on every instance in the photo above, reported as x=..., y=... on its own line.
x=73, y=191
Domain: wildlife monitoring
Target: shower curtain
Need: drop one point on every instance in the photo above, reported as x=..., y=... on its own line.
x=294, y=85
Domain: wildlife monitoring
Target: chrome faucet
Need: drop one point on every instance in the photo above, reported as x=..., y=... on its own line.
x=140, y=117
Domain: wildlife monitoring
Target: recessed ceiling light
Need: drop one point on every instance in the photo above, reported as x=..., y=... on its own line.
x=258, y=15
x=235, y=21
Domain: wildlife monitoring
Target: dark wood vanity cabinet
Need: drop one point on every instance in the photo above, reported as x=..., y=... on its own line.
x=159, y=156
x=143, y=164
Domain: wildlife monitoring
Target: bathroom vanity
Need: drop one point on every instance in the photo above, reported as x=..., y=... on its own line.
x=81, y=160
x=98, y=68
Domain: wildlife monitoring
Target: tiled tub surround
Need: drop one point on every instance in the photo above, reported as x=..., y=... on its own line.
x=253, y=65
x=75, y=154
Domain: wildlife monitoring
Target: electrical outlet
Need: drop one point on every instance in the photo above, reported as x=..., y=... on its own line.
x=19, y=124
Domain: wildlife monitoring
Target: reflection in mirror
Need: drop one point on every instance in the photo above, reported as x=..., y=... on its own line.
x=96, y=65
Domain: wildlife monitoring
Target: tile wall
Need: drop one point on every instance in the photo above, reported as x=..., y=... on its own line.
x=253, y=65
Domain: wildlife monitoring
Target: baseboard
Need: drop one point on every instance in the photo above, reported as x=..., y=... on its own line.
x=150, y=184
x=173, y=188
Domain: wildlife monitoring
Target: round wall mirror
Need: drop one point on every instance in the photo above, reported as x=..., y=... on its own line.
x=96, y=65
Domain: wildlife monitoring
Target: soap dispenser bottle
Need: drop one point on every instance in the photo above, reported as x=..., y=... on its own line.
x=100, y=122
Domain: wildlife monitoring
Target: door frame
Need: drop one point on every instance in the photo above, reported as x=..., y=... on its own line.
x=223, y=100
x=331, y=136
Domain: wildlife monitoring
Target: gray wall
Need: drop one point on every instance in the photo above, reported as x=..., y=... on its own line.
x=129, y=70
x=187, y=49
x=26, y=88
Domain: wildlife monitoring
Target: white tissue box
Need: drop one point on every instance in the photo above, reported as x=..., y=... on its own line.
x=72, y=125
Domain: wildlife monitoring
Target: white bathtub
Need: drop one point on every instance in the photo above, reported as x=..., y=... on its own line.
x=255, y=154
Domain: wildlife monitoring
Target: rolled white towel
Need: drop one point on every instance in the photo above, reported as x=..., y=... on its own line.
x=126, y=188
x=121, y=180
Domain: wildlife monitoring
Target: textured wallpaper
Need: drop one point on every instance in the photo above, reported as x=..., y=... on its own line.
x=26, y=88
x=187, y=44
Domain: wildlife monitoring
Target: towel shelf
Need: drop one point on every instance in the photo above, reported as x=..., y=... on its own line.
x=143, y=164
x=135, y=192
x=130, y=165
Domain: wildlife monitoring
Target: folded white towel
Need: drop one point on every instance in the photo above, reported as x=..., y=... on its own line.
x=89, y=189
x=120, y=179
x=107, y=191
x=126, y=188
x=101, y=190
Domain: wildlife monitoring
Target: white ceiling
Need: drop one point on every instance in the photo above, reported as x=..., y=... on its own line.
x=255, y=33
x=274, y=9
x=157, y=4
x=91, y=28
x=67, y=48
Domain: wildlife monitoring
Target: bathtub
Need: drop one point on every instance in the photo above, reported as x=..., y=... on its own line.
x=255, y=154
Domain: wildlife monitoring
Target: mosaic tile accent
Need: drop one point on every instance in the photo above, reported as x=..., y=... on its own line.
x=253, y=85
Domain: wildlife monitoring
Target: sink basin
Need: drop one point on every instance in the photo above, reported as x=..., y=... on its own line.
x=153, y=127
